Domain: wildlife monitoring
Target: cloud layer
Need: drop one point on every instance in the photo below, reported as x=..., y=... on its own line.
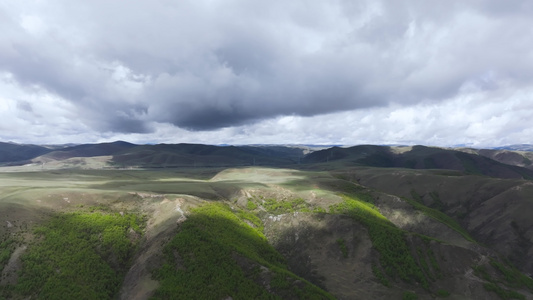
x=239, y=71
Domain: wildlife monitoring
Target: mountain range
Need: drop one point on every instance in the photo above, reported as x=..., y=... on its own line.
x=294, y=222
x=492, y=162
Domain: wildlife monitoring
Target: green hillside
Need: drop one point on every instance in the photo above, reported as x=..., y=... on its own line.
x=369, y=222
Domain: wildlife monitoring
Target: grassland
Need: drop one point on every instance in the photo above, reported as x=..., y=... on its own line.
x=58, y=211
x=199, y=233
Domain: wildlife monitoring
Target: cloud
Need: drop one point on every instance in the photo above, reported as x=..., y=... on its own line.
x=136, y=68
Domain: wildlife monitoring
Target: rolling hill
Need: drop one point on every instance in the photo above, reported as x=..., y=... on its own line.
x=417, y=157
x=123, y=154
x=510, y=157
x=185, y=221
x=11, y=153
x=89, y=150
x=191, y=155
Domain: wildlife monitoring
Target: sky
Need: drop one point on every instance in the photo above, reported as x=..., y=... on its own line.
x=440, y=73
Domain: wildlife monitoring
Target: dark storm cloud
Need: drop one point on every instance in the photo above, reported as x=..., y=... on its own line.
x=203, y=65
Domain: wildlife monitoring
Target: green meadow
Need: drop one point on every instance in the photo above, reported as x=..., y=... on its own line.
x=200, y=233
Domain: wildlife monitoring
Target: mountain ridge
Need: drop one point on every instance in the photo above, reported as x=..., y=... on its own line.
x=362, y=222
x=416, y=157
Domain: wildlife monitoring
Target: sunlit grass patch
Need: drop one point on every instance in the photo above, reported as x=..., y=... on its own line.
x=395, y=258
x=202, y=260
x=79, y=256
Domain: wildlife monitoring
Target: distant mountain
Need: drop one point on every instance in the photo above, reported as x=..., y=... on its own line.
x=417, y=157
x=190, y=155
x=11, y=152
x=519, y=158
x=499, y=163
x=90, y=150
x=517, y=147
x=160, y=155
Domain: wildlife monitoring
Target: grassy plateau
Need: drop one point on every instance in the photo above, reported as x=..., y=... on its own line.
x=323, y=230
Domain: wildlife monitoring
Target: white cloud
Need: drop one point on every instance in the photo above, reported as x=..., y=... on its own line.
x=344, y=72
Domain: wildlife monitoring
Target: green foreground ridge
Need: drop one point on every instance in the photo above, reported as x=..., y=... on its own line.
x=81, y=255
x=216, y=255
x=220, y=252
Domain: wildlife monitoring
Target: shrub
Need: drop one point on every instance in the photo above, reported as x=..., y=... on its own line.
x=342, y=246
x=409, y=296
x=443, y=293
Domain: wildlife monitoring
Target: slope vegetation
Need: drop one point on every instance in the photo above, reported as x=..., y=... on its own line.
x=494, y=211
x=366, y=222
